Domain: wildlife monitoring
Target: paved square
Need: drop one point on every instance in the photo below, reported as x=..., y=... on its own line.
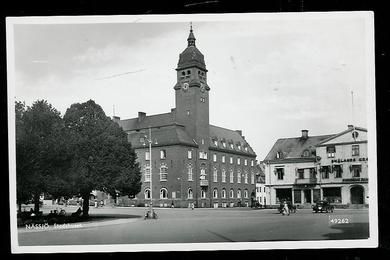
x=203, y=225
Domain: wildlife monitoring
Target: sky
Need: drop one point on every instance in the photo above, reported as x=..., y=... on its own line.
x=271, y=75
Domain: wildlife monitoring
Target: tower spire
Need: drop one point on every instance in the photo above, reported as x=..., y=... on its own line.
x=191, y=38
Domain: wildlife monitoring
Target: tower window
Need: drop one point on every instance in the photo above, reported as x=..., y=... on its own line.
x=188, y=72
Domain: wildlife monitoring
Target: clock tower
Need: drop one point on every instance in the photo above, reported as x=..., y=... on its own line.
x=192, y=94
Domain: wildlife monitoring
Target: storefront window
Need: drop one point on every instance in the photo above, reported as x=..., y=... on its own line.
x=332, y=195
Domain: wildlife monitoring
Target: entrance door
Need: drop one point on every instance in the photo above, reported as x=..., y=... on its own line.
x=357, y=195
x=307, y=194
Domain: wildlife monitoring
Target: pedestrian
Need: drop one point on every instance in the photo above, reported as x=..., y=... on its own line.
x=96, y=204
x=101, y=203
x=192, y=206
x=286, y=209
x=172, y=205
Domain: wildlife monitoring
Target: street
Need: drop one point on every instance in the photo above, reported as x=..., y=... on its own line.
x=180, y=225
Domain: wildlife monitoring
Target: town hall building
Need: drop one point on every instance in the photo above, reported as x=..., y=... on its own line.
x=191, y=162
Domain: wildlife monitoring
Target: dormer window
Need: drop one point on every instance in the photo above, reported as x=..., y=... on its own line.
x=224, y=144
x=239, y=147
x=231, y=146
x=216, y=142
x=306, y=153
x=246, y=148
x=278, y=155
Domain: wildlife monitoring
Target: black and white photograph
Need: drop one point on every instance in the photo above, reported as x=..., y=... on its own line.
x=191, y=132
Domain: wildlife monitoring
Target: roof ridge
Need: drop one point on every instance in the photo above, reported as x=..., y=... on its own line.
x=310, y=136
x=147, y=116
x=224, y=128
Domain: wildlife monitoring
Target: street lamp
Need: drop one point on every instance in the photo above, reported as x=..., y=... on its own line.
x=150, y=140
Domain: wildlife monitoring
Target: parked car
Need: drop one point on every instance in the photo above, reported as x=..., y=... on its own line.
x=323, y=206
x=291, y=207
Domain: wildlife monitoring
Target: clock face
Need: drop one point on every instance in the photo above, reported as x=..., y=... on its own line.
x=185, y=86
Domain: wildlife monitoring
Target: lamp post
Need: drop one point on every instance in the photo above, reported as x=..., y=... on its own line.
x=150, y=140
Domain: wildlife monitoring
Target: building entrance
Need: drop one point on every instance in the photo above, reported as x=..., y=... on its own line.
x=307, y=196
x=357, y=195
x=283, y=194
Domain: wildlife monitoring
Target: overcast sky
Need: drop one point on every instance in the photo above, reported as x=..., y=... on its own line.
x=270, y=75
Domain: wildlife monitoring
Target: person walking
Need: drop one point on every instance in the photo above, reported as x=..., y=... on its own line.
x=286, y=210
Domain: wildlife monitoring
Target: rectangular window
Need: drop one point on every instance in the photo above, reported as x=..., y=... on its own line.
x=301, y=173
x=203, y=155
x=231, y=160
x=252, y=163
x=297, y=196
x=238, y=161
x=252, y=178
x=338, y=170
x=280, y=173
x=331, y=151
x=223, y=176
x=215, y=175
x=163, y=154
x=325, y=172
x=355, y=150
x=215, y=157
x=245, y=162
x=246, y=177
x=223, y=158
x=147, y=155
x=238, y=177
x=231, y=177
x=147, y=173
x=163, y=174
x=189, y=171
x=189, y=154
x=356, y=170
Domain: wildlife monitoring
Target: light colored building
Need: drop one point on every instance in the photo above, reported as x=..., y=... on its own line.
x=260, y=186
x=310, y=168
x=343, y=167
x=291, y=170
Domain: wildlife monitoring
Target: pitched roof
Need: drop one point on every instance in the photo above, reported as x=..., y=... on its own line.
x=164, y=136
x=294, y=147
x=147, y=121
x=228, y=136
x=342, y=133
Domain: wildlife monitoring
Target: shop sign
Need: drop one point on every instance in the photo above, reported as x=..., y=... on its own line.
x=363, y=159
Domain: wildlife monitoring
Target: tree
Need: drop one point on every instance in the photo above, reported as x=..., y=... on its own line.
x=103, y=159
x=40, y=157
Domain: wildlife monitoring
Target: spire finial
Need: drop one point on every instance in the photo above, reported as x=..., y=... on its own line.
x=191, y=38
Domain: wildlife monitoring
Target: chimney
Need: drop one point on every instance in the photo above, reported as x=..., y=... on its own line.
x=141, y=116
x=173, y=113
x=350, y=127
x=116, y=119
x=305, y=134
x=239, y=132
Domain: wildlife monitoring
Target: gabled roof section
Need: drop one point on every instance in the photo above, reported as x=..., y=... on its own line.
x=295, y=147
x=343, y=133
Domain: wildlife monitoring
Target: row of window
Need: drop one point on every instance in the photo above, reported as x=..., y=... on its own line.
x=203, y=156
x=325, y=170
x=231, y=176
x=231, y=145
x=331, y=150
x=259, y=189
x=190, y=193
x=164, y=174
